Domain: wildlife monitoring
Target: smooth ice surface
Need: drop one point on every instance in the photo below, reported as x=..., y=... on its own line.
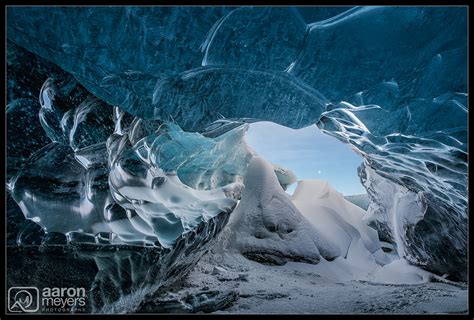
x=385, y=39
x=309, y=153
x=236, y=37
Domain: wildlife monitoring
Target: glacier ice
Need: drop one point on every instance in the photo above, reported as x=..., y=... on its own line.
x=236, y=37
x=416, y=178
x=112, y=272
x=109, y=203
x=154, y=194
x=82, y=125
x=117, y=53
x=18, y=113
x=144, y=110
x=191, y=99
x=132, y=191
x=423, y=49
x=172, y=89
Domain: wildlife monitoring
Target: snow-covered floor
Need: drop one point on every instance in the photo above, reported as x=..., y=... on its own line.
x=296, y=288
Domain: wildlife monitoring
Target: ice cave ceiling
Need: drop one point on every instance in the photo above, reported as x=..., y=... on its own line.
x=108, y=105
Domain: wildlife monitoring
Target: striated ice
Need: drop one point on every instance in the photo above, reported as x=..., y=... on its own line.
x=365, y=46
x=416, y=177
x=236, y=38
x=66, y=191
x=117, y=53
x=191, y=98
x=88, y=123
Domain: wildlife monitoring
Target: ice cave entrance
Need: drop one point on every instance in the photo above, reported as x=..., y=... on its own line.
x=309, y=153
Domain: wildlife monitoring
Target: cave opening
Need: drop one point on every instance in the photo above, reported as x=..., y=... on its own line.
x=309, y=154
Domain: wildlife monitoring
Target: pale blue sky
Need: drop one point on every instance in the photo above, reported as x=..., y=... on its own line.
x=309, y=153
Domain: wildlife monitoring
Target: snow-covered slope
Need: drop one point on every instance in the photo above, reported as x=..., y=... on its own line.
x=337, y=219
x=267, y=227
x=317, y=225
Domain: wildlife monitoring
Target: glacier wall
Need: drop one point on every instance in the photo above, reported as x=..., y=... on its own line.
x=389, y=81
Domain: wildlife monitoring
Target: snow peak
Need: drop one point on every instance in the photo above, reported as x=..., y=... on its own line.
x=63, y=299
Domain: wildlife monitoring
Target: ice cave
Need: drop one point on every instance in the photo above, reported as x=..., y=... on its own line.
x=239, y=159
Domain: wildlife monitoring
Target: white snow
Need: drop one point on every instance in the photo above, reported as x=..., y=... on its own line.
x=320, y=221
x=266, y=221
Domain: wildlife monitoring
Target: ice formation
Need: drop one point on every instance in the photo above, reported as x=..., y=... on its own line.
x=144, y=110
x=65, y=186
x=423, y=166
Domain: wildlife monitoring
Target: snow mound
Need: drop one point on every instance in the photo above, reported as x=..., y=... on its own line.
x=340, y=221
x=267, y=227
x=316, y=225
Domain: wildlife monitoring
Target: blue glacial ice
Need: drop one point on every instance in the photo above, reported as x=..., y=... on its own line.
x=236, y=38
x=168, y=92
x=117, y=53
x=138, y=182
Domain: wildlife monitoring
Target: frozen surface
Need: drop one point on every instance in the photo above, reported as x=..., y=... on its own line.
x=301, y=288
x=386, y=39
x=123, y=46
x=143, y=179
x=424, y=167
x=236, y=38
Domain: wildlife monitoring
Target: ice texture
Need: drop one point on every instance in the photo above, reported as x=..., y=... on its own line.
x=236, y=38
x=416, y=177
x=191, y=98
x=144, y=179
x=112, y=273
x=423, y=49
x=117, y=53
x=141, y=82
x=118, y=190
